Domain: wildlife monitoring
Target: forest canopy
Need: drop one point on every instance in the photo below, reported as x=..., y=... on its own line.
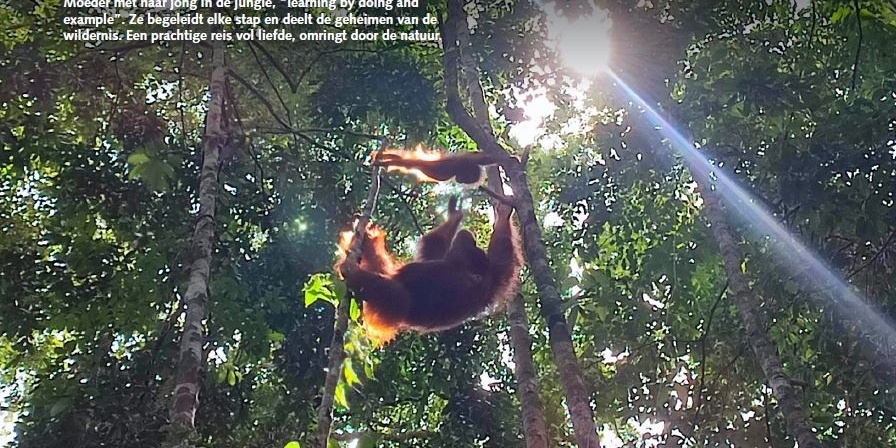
x=702, y=194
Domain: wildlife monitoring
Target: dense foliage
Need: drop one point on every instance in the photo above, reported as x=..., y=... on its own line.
x=100, y=172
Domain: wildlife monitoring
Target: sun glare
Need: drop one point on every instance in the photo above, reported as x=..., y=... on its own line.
x=537, y=107
x=582, y=42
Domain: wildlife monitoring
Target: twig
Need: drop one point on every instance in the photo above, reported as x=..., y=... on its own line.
x=812, y=26
x=335, y=151
x=855, y=64
x=341, y=131
x=701, y=383
x=874, y=258
x=264, y=101
x=267, y=76
x=275, y=63
x=524, y=156
x=506, y=200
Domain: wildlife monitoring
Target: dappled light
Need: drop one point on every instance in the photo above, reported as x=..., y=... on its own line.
x=537, y=107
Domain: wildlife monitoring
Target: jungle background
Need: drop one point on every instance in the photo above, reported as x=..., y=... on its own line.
x=113, y=154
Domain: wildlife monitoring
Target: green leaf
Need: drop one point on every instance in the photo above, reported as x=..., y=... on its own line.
x=339, y=288
x=573, y=316
x=138, y=158
x=276, y=336
x=339, y=395
x=60, y=406
x=227, y=288
x=312, y=290
x=157, y=173
x=842, y=12
x=354, y=309
x=351, y=377
x=602, y=313
x=319, y=287
x=368, y=370
x=293, y=444
x=231, y=377
x=808, y=353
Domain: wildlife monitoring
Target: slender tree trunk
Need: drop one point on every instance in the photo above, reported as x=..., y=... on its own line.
x=754, y=322
x=534, y=426
x=578, y=398
x=337, y=344
x=191, y=358
x=334, y=371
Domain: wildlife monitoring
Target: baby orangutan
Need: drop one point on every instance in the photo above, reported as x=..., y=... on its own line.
x=464, y=168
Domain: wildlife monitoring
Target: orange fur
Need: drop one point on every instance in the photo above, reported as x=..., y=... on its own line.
x=432, y=166
x=450, y=281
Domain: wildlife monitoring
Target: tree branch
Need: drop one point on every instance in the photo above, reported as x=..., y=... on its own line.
x=337, y=344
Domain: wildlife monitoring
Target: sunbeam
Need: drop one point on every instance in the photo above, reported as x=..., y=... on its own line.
x=798, y=259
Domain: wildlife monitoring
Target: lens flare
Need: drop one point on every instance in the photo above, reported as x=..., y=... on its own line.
x=801, y=262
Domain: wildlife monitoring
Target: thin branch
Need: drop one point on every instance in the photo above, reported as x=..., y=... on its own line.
x=267, y=76
x=180, y=98
x=855, y=64
x=279, y=67
x=524, y=156
x=506, y=200
x=267, y=104
x=724, y=370
x=119, y=50
x=249, y=147
x=874, y=257
x=313, y=62
x=479, y=132
x=812, y=25
x=388, y=183
x=337, y=344
x=701, y=382
x=768, y=417
x=264, y=130
x=341, y=131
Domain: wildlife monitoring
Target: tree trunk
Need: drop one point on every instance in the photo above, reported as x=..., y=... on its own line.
x=534, y=426
x=754, y=322
x=191, y=358
x=334, y=371
x=532, y=409
x=578, y=398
